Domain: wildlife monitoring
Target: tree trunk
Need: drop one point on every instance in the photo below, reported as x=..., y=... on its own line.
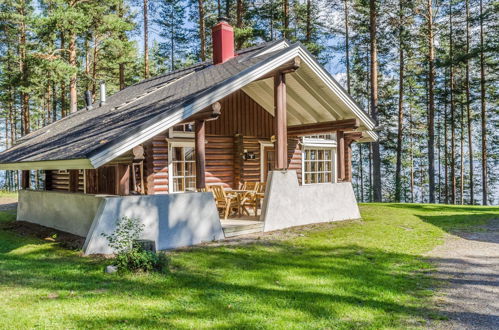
x=431, y=105
x=461, y=158
x=452, y=114
x=227, y=9
x=483, y=112
x=468, y=107
x=23, y=65
x=122, y=37
x=63, y=84
x=374, y=100
x=202, y=30
x=94, y=65
x=361, y=172
x=73, y=96
x=347, y=46
x=146, y=38
x=398, y=167
x=446, y=152
x=308, y=27
x=239, y=21
x=286, y=18
x=411, y=156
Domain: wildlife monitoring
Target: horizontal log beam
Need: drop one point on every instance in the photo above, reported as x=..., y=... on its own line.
x=325, y=127
x=211, y=113
x=353, y=136
x=288, y=67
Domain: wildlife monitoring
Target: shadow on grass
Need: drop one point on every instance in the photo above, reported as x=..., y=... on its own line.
x=457, y=219
x=239, y=286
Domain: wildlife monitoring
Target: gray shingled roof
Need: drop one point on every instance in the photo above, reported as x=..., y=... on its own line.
x=87, y=131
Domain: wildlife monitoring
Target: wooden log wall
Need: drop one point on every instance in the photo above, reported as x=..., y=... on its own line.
x=156, y=165
x=251, y=167
x=60, y=180
x=220, y=160
x=295, y=157
x=241, y=115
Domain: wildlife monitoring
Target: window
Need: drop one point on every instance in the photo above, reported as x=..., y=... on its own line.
x=182, y=131
x=318, y=165
x=184, y=128
x=183, y=168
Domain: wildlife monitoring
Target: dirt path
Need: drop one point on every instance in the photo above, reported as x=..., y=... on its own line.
x=8, y=204
x=469, y=264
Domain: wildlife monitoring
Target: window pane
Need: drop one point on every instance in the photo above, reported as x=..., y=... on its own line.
x=177, y=169
x=189, y=153
x=176, y=153
x=178, y=184
x=190, y=184
x=190, y=168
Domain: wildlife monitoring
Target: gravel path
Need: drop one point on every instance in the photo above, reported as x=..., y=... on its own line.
x=469, y=264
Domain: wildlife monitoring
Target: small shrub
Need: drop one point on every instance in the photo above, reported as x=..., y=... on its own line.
x=139, y=260
x=132, y=257
x=127, y=231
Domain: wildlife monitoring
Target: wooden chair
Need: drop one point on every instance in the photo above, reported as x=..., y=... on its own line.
x=251, y=199
x=224, y=203
x=261, y=187
x=249, y=186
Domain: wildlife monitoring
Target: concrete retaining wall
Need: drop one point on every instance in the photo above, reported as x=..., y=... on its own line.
x=287, y=204
x=69, y=212
x=172, y=221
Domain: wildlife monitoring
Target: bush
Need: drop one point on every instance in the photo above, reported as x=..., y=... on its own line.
x=129, y=255
x=137, y=259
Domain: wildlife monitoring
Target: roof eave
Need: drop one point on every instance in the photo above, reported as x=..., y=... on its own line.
x=83, y=163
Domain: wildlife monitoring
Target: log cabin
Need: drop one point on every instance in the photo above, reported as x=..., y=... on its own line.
x=268, y=114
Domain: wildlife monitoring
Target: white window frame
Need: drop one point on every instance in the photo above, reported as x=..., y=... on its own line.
x=263, y=144
x=178, y=134
x=173, y=143
x=319, y=143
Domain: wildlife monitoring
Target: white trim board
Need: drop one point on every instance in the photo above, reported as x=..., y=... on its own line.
x=263, y=144
x=49, y=165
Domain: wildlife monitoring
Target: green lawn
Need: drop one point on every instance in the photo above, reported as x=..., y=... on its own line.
x=357, y=274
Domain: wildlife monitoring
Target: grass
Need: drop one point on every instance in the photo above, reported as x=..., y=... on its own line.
x=8, y=194
x=357, y=274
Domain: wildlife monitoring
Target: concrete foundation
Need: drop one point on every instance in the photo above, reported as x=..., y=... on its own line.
x=287, y=204
x=171, y=221
x=178, y=220
x=69, y=212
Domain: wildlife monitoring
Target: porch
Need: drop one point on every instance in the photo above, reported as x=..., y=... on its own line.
x=178, y=220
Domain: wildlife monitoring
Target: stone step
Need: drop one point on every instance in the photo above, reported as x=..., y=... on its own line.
x=243, y=230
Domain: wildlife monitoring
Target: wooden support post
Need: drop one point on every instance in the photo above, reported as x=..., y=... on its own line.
x=348, y=161
x=25, y=179
x=200, y=142
x=73, y=180
x=123, y=172
x=340, y=147
x=281, y=130
x=350, y=138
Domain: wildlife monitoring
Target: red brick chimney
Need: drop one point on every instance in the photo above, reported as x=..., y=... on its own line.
x=222, y=36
